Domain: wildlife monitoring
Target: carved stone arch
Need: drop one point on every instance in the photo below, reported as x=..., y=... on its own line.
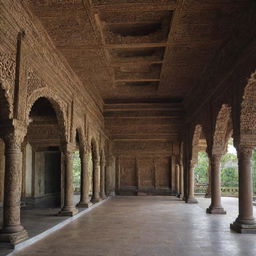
x=248, y=113
x=5, y=105
x=57, y=105
x=222, y=130
x=195, y=143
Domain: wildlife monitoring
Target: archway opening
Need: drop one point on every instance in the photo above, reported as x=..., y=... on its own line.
x=42, y=175
x=77, y=171
x=229, y=171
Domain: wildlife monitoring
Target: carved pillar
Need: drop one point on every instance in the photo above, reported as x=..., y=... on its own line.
x=177, y=175
x=68, y=209
x=209, y=188
x=85, y=180
x=191, y=180
x=181, y=182
x=12, y=231
x=215, y=207
x=96, y=181
x=102, y=178
x=245, y=222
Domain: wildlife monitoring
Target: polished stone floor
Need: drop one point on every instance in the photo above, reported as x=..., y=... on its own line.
x=147, y=226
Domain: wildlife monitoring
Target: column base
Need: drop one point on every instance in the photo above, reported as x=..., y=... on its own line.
x=191, y=200
x=84, y=205
x=208, y=195
x=68, y=212
x=10, y=239
x=178, y=195
x=243, y=228
x=103, y=197
x=95, y=200
x=216, y=210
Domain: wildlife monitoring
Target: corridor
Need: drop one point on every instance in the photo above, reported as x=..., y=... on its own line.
x=147, y=226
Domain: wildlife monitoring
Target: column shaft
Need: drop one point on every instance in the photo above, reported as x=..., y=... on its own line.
x=215, y=207
x=85, y=181
x=181, y=182
x=96, y=181
x=68, y=208
x=102, y=180
x=245, y=222
x=209, y=187
x=177, y=180
x=12, y=231
x=191, y=183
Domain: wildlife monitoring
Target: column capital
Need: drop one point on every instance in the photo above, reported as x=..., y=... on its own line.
x=13, y=134
x=216, y=156
x=245, y=150
x=68, y=148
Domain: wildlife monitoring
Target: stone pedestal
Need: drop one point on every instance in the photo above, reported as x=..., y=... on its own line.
x=85, y=181
x=215, y=207
x=245, y=222
x=96, y=181
x=68, y=209
x=12, y=232
x=191, y=195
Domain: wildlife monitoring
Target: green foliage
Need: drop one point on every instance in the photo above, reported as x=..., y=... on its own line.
x=201, y=173
x=229, y=170
x=76, y=170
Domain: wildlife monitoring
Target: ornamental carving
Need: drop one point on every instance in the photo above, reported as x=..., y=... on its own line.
x=195, y=143
x=248, y=112
x=7, y=77
x=34, y=82
x=222, y=130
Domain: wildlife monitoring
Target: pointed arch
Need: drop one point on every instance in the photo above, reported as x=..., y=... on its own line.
x=57, y=105
x=195, y=142
x=222, y=130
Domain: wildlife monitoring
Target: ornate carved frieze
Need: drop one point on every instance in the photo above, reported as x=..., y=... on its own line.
x=34, y=82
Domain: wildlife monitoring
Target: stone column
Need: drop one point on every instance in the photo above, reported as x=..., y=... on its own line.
x=68, y=209
x=12, y=231
x=102, y=179
x=85, y=180
x=191, y=180
x=177, y=180
x=96, y=181
x=215, y=207
x=209, y=188
x=181, y=182
x=245, y=222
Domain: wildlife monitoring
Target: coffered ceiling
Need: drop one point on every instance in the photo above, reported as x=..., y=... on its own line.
x=144, y=50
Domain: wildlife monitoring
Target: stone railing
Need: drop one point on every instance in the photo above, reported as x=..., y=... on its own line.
x=201, y=189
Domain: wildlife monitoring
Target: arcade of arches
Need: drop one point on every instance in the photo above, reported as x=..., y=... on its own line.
x=137, y=87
